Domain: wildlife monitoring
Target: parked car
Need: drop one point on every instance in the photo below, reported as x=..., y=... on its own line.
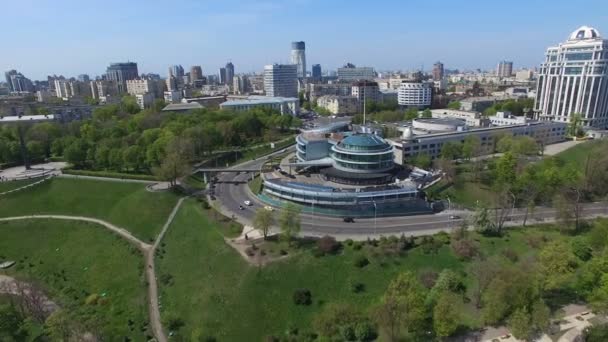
x=248, y=203
x=241, y=207
x=269, y=208
x=349, y=219
x=454, y=217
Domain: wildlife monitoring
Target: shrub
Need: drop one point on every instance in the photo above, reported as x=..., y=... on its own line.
x=349, y=242
x=428, y=278
x=430, y=244
x=510, y=254
x=283, y=252
x=357, y=245
x=361, y=261
x=166, y=279
x=317, y=253
x=302, y=297
x=328, y=244
x=357, y=287
x=92, y=299
x=108, y=174
x=465, y=249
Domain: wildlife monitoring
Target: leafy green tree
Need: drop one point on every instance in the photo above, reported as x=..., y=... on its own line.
x=402, y=306
x=342, y=322
x=557, y=265
x=540, y=316
x=427, y=114
x=11, y=323
x=520, y=324
x=451, y=150
x=446, y=315
x=76, y=153
x=506, y=169
x=262, y=221
x=471, y=147
x=575, y=128
x=454, y=105
x=422, y=161
x=176, y=163
x=411, y=114
x=289, y=220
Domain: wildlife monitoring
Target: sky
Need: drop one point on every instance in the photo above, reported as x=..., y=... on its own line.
x=72, y=37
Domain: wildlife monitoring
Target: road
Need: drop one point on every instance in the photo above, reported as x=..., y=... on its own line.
x=229, y=196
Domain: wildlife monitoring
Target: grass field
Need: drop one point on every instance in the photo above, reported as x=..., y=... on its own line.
x=73, y=260
x=577, y=155
x=128, y=205
x=217, y=293
x=7, y=186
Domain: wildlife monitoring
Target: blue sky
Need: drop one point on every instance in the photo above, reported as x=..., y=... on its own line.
x=71, y=37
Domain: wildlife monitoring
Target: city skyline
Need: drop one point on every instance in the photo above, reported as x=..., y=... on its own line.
x=209, y=34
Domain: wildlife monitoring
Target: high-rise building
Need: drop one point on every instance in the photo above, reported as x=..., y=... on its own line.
x=437, y=71
x=298, y=57
x=240, y=84
x=177, y=71
x=17, y=82
x=141, y=86
x=222, y=76
x=350, y=72
x=83, y=78
x=316, y=72
x=415, y=94
x=229, y=74
x=574, y=79
x=196, y=73
x=504, y=69
x=365, y=92
x=121, y=73
x=281, y=80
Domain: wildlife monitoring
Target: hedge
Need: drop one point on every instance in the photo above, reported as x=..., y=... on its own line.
x=108, y=174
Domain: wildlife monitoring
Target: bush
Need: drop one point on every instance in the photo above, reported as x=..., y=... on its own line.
x=357, y=245
x=357, y=287
x=361, y=261
x=349, y=242
x=430, y=244
x=302, y=297
x=428, y=278
x=92, y=299
x=510, y=254
x=465, y=249
x=328, y=244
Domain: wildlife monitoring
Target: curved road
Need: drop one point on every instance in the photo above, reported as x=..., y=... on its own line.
x=232, y=190
x=146, y=249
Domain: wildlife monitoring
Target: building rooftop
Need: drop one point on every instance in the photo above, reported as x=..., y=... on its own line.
x=442, y=121
x=364, y=139
x=255, y=99
x=182, y=106
x=26, y=118
x=584, y=33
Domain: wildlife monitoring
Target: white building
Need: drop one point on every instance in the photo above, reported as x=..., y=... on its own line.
x=573, y=79
x=415, y=94
x=63, y=90
x=524, y=75
x=281, y=80
x=144, y=100
x=352, y=73
x=339, y=104
x=507, y=119
x=139, y=86
x=472, y=119
x=285, y=105
x=298, y=57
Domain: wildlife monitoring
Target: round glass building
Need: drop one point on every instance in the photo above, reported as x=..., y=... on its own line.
x=363, y=153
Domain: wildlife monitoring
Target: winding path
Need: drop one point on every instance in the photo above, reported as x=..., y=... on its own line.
x=146, y=249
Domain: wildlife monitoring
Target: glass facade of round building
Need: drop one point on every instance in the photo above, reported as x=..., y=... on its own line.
x=363, y=153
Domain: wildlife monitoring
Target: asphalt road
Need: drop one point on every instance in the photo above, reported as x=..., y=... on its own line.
x=231, y=196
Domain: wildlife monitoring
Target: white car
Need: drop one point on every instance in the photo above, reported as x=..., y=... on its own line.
x=247, y=203
x=269, y=208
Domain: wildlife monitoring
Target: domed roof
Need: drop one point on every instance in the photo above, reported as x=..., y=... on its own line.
x=584, y=32
x=365, y=140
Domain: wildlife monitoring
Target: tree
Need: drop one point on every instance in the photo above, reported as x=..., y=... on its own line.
x=289, y=220
x=342, y=322
x=575, y=128
x=481, y=220
x=176, y=162
x=451, y=150
x=446, y=314
x=506, y=169
x=422, y=161
x=557, y=265
x=411, y=114
x=427, y=114
x=263, y=220
x=569, y=208
x=76, y=153
x=483, y=272
x=471, y=147
x=540, y=316
x=520, y=324
x=454, y=105
x=402, y=306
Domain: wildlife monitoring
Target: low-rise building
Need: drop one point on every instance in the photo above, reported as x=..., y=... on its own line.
x=285, y=105
x=339, y=104
x=173, y=96
x=472, y=119
x=507, y=119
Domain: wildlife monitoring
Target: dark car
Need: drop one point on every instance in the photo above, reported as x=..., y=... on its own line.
x=349, y=219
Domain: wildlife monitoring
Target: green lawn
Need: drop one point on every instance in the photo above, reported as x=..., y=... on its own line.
x=128, y=205
x=464, y=193
x=72, y=260
x=7, y=186
x=577, y=155
x=215, y=292
x=256, y=185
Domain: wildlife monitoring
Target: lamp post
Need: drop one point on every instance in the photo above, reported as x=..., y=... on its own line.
x=375, y=218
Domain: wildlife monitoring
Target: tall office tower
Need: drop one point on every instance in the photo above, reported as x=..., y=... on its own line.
x=222, y=76
x=298, y=57
x=281, y=80
x=504, y=69
x=17, y=82
x=574, y=79
x=229, y=73
x=240, y=85
x=196, y=73
x=83, y=78
x=177, y=71
x=437, y=71
x=121, y=73
x=316, y=72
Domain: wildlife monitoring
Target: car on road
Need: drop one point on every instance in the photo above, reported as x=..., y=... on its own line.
x=269, y=208
x=248, y=203
x=349, y=219
x=241, y=207
x=454, y=217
